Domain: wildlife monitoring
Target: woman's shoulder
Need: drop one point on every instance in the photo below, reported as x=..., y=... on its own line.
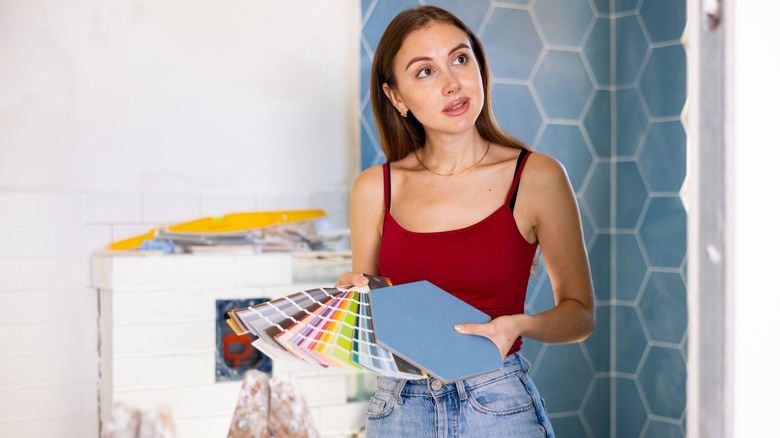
x=544, y=168
x=545, y=178
x=369, y=180
x=536, y=161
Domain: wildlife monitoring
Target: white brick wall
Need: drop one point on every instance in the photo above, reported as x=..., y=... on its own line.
x=49, y=312
x=113, y=208
x=170, y=208
x=161, y=347
x=217, y=205
x=48, y=316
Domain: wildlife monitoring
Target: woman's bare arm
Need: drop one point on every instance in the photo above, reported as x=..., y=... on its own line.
x=549, y=203
x=365, y=220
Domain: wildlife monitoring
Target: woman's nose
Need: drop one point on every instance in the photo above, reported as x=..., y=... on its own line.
x=451, y=83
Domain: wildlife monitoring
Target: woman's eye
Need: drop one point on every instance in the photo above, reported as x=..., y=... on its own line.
x=424, y=73
x=461, y=59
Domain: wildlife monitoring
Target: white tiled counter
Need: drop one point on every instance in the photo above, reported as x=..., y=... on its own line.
x=158, y=339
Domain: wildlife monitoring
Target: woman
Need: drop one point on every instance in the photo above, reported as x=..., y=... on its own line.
x=451, y=207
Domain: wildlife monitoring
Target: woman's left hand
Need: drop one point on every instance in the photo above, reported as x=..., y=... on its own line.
x=501, y=331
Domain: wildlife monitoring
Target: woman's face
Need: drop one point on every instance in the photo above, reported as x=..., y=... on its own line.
x=438, y=79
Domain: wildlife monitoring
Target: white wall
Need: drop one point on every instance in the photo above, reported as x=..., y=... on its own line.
x=178, y=96
x=116, y=116
x=756, y=239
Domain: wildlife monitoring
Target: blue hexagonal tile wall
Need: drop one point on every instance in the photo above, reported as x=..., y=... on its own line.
x=602, y=6
x=630, y=266
x=567, y=145
x=630, y=339
x=661, y=378
x=563, y=375
x=568, y=426
x=600, y=266
x=587, y=227
x=598, y=399
x=631, y=48
x=512, y=43
x=516, y=111
x=631, y=121
x=541, y=296
x=598, y=343
x=598, y=123
x=368, y=120
x=664, y=19
x=631, y=194
x=531, y=349
x=664, y=307
x=365, y=72
x=631, y=414
x=366, y=5
x=470, y=12
x=625, y=5
x=597, y=51
x=596, y=197
x=563, y=22
x=380, y=16
x=663, y=81
x=663, y=156
x=563, y=84
x=662, y=231
x=372, y=150
x=537, y=279
x=371, y=155
x=661, y=429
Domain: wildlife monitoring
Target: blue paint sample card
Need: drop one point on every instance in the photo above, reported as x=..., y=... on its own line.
x=416, y=320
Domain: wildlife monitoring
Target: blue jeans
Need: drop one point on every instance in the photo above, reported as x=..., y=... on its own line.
x=504, y=403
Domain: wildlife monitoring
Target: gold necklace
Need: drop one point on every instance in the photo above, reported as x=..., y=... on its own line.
x=456, y=173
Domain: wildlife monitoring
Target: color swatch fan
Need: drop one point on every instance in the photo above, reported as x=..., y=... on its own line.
x=403, y=331
x=326, y=327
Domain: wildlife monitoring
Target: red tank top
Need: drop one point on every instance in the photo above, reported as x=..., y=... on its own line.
x=486, y=264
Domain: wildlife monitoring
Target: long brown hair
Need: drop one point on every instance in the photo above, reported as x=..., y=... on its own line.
x=399, y=136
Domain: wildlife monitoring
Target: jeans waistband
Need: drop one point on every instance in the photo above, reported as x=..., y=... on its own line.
x=513, y=364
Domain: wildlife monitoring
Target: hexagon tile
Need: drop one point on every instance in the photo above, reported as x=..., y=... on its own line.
x=512, y=44
x=599, y=85
x=563, y=84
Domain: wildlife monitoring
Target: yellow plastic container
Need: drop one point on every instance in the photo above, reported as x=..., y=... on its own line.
x=228, y=223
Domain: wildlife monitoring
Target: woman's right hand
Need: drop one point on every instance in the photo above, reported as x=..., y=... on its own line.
x=350, y=279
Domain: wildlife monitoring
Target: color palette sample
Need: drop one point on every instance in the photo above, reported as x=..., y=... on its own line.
x=417, y=321
x=325, y=327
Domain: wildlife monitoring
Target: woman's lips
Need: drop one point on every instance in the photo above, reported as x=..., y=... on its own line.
x=457, y=108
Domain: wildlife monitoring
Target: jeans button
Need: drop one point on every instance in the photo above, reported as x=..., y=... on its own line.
x=436, y=385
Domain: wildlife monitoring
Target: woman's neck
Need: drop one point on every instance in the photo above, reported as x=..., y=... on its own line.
x=451, y=154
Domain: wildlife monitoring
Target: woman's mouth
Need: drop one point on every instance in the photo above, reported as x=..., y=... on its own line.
x=458, y=107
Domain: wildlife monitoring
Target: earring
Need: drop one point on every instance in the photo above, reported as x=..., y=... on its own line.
x=403, y=113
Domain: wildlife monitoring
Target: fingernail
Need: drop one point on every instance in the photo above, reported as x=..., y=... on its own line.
x=459, y=328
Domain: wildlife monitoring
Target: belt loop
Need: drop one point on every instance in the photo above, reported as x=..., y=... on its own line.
x=461, y=390
x=524, y=361
x=399, y=386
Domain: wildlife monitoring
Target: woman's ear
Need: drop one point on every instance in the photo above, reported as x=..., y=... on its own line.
x=395, y=99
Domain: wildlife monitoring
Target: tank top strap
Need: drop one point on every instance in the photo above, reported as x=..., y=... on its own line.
x=386, y=172
x=512, y=196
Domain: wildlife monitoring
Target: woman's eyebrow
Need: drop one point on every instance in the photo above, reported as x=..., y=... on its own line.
x=428, y=58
